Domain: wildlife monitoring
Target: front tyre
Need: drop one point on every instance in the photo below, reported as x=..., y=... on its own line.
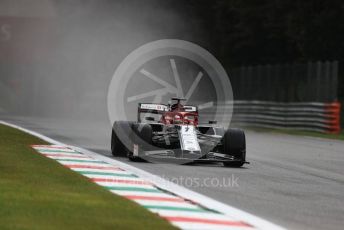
x=235, y=145
x=142, y=138
x=118, y=145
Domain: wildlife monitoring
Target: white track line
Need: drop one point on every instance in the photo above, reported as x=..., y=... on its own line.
x=231, y=212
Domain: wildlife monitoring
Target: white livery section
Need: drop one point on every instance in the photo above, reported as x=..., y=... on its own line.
x=188, y=138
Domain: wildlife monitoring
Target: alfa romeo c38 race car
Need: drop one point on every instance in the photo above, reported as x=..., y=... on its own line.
x=171, y=133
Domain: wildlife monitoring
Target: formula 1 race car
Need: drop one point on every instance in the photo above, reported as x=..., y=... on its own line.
x=171, y=133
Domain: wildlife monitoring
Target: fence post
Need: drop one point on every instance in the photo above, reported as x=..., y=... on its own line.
x=335, y=79
x=318, y=80
x=269, y=84
x=250, y=83
x=327, y=84
x=278, y=82
x=309, y=81
x=243, y=83
x=259, y=83
x=288, y=85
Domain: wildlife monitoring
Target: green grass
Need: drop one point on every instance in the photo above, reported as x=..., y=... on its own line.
x=339, y=136
x=38, y=193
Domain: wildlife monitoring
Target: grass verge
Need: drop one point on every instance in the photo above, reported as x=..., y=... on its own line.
x=38, y=193
x=339, y=136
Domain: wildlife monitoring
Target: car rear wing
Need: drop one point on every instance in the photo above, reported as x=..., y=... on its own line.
x=159, y=109
x=150, y=108
x=190, y=108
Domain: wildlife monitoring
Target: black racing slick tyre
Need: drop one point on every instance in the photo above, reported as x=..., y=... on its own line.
x=235, y=145
x=142, y=138
x=120, y=138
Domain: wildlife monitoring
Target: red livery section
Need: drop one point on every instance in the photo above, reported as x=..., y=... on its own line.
x=155, y=198
x=138, y=182
x=206, y=221
x=92, y=167
x=65, y=155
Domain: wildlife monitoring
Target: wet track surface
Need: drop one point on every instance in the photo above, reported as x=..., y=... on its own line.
x=296, y=182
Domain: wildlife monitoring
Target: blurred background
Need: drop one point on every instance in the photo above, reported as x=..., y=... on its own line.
x=284, y=58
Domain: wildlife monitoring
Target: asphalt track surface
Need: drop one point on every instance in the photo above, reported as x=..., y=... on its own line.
x=296, y=182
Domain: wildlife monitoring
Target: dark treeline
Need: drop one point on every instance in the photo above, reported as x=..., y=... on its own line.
x=273, y=31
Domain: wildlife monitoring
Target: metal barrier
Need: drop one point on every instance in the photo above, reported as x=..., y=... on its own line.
x=313, y=116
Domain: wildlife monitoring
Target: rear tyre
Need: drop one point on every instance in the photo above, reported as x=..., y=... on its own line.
x=118, y=145
x=142, y=137
x=235, y=145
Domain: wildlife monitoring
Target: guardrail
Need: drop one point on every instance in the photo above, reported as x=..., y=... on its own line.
x=313, y=116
